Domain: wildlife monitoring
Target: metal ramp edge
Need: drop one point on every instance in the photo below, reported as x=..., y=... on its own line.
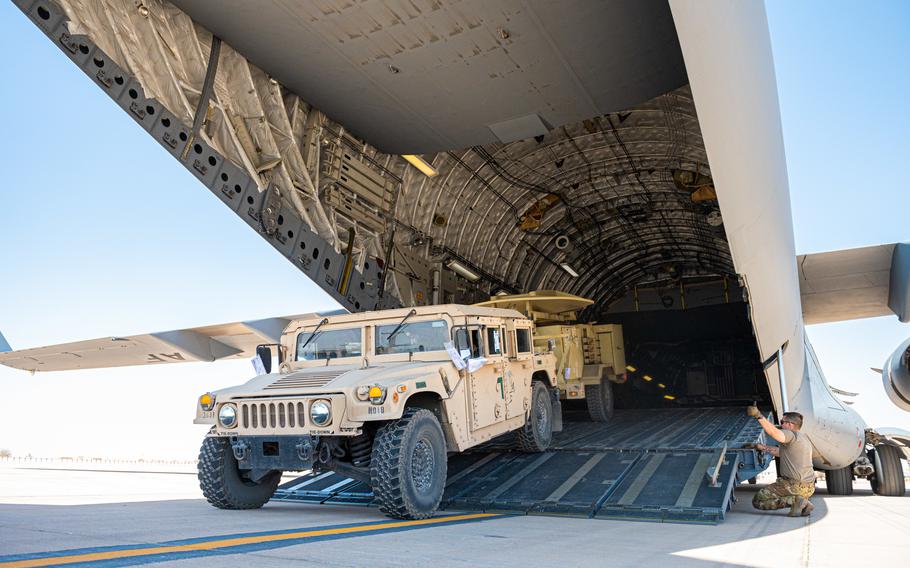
x=327, y=487
x=639, y=485
x=678, y=465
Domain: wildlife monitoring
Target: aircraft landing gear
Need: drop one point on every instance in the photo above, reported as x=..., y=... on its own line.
x=888, y=479
x=840, y=481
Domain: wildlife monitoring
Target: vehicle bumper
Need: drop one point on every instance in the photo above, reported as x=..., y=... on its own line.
x=274, y=453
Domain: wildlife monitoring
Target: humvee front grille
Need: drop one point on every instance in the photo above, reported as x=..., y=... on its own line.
x=272, y=415
x=308, y=380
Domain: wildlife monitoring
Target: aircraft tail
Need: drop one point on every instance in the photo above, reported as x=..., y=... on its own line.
x=4, y=346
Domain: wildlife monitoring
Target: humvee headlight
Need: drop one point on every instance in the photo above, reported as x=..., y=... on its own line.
x=207, y=401
x=228, y=415
x=377, y=394
x=321, y=413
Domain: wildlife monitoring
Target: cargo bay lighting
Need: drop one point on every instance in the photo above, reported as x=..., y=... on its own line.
x=420, y=164
x=462, y=270
x=569, y=269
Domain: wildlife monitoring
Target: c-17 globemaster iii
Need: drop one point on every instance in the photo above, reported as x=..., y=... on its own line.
x=648, y=175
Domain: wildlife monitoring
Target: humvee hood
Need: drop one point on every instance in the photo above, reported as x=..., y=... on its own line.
x=332, y=378
x=385, y=372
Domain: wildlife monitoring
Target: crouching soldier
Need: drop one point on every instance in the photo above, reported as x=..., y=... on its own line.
x=796, y=478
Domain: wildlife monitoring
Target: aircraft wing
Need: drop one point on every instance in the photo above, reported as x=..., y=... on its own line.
x=208, y=343
x=855, y=283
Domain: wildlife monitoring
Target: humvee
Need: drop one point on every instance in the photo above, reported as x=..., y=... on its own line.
x=382, y=397
x=590, y=357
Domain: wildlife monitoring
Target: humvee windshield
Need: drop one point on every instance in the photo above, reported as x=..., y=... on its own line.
x=329, y=344
x=413, y=337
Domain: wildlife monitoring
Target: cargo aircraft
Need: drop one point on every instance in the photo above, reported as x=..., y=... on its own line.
x=414, y=153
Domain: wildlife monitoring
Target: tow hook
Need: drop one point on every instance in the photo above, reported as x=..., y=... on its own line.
x=325, y=454
x=241, y=449
x=305, y=450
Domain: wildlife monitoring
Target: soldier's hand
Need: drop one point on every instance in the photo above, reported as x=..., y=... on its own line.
x=753, y=411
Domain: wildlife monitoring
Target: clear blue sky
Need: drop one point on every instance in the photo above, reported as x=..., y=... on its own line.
x=103, y=233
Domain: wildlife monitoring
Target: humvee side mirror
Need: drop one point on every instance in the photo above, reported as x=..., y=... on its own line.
x=264, y=352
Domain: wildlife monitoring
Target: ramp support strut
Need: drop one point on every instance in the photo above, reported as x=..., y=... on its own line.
x=208, y=84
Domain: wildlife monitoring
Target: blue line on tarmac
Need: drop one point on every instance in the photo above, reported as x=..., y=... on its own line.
x=129, y=555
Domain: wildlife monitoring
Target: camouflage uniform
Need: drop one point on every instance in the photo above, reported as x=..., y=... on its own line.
x=780, y=494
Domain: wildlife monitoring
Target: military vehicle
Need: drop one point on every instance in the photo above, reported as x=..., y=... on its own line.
x=590, y=357
x=381, y=397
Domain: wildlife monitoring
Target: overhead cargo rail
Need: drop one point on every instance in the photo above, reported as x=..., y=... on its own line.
x=671, y=465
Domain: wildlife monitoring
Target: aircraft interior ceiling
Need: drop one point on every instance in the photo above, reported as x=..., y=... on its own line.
x=617, y=205
x=624, y=199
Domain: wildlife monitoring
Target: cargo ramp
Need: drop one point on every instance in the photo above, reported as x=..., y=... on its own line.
x=670, y=465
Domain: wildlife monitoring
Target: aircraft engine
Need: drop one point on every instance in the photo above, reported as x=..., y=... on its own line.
x=896, y=376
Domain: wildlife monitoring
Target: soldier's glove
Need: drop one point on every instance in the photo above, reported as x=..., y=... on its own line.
x=754, y=412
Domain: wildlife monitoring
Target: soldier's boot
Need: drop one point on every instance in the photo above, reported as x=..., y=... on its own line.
x=798, y=506
x=807, y=510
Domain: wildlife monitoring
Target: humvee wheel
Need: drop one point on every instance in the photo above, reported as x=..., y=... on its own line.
x=537, y=433
x=221, y=482
x=408, y=466
x=600, y=400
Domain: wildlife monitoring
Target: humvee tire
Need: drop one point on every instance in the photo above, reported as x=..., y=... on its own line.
x=408, y=467
x=889, y=474
x=600, y=400
x=537, y=433
x=221, y=482
x=839, y=481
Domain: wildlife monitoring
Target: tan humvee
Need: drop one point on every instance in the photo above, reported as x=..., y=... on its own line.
x=381, y=397
x=590, y=357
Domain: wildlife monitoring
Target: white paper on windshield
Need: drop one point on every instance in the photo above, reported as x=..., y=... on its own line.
x=453, y=354
x=476, y=363
x=257, y=365
x=568, y=372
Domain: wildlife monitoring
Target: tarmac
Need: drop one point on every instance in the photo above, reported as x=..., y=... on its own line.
x=99, y=516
